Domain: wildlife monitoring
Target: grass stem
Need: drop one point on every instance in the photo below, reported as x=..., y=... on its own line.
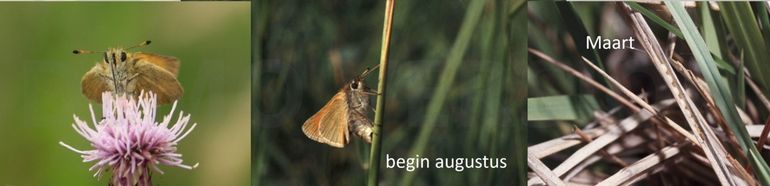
x=374, y=155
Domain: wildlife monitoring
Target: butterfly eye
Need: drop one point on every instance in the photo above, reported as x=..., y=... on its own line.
x=106, y=58
x=122, y=56
x=354, y=85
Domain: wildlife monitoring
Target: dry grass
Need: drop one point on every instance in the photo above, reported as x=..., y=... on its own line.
x=681, y=136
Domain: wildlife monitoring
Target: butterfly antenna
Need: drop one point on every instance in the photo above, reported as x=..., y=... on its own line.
x=369, y=70
x=143, y=44
x=83, y=52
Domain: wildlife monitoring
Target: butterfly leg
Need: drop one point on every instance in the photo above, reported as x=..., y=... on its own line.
x=133, y=76
x=369, y=91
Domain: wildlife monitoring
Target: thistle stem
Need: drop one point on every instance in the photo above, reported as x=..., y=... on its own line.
x=374, y=155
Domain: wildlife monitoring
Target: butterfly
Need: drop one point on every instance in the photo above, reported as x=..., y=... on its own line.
x=344, y=114
x=131, y=73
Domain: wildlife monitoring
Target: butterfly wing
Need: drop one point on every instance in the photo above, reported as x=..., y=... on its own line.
x=94, y=84
x=152, y=77
x=329, y=125
x=170, y=64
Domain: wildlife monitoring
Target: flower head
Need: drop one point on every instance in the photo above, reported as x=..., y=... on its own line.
x=128, y=141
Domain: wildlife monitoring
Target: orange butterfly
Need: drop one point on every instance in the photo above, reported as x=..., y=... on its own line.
x=130, y=73
x=345, y=113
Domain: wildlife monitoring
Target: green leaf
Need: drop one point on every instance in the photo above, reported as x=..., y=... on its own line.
x=575, y=107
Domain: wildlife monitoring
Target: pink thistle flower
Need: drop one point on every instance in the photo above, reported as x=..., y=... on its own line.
x=128, y=141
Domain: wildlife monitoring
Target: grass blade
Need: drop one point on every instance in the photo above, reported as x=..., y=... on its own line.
x=576, y=27
x=739, y=19
x=710, y=33
x=718, y=87
x=576, y=107
x=579, y=31
x=654, y=18
x=453, y=62
x=543, y=171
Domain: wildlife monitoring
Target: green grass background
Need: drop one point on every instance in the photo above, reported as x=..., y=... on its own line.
x=40, y=85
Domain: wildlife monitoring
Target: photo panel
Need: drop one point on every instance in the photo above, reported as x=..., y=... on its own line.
x=648, y=93
x=451, y=111
x=154, y=86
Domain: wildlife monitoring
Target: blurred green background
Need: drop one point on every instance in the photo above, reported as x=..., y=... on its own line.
x=306, y=50
x=40, y=85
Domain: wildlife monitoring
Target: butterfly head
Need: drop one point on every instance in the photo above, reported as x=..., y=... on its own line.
x=357, y=84
x=115, y=56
